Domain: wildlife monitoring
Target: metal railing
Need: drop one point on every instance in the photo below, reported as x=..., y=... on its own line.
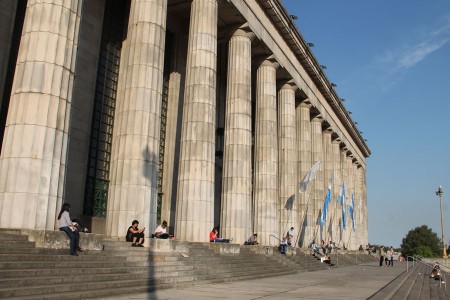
x=418, y=259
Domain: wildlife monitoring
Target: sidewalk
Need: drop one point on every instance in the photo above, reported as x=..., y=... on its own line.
x=355, y=282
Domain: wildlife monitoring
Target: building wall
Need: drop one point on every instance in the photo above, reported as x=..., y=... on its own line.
x=284, y=59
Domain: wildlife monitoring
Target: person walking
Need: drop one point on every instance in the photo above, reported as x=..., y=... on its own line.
x=381, y=253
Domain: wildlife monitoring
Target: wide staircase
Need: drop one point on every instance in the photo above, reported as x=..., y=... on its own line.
x=305, y=262
x=27, y=272
x=414, y=285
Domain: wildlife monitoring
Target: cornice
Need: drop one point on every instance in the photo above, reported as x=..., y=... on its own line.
x=280, y=18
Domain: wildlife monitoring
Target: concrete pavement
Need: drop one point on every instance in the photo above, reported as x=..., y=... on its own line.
x=354, y=282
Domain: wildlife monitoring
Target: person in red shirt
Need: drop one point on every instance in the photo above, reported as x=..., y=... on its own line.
x=214, y=237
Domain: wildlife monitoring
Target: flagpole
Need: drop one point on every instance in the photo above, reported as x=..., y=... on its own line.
x=307, y=192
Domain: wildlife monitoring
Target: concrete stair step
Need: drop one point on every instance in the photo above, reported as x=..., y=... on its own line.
x=404, y=289
x=17, y=250
x=88, y=286
x=151, y=274
x=89, y=271
x=16, y=244
x=99, y=293
x=12, y=237
x=425, y=289
x=57, y=257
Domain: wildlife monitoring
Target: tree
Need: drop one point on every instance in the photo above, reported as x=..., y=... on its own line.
x=421, y=241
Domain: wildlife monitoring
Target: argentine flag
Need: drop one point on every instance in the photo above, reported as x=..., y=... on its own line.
x=343, y=202
x=341, y=194
x=351, y=211
x=327, y=201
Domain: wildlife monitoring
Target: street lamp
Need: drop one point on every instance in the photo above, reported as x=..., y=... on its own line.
x=439, y=193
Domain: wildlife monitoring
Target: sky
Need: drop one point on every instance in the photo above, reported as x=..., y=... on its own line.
x=391, y=63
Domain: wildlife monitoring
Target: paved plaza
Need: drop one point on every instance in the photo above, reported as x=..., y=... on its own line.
x=354, y=282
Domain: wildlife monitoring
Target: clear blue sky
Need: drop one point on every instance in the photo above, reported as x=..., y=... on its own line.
x=391, y=62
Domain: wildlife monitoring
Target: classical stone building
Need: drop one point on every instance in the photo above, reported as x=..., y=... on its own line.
x=201, y=112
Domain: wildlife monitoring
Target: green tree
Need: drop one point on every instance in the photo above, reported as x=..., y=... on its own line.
x=421, y=241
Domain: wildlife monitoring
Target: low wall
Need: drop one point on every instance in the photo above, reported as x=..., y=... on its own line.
x=53, y=239
x=224, y=248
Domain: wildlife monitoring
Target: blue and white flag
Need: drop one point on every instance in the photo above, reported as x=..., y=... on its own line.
x=351, y=211
x=343, y=202
x=341, y=194
x=327, y=201
x=310, y=176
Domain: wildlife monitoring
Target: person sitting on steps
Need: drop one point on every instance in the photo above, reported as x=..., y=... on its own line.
x=66, y=225
x=253, y=240
x=214, y=237
x=161, y=231
x=135, y=235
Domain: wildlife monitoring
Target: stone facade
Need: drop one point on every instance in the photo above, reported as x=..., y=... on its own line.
x=203, y=113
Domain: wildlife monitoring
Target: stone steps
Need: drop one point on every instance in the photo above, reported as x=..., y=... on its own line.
x=32, y=273
x=413, y=285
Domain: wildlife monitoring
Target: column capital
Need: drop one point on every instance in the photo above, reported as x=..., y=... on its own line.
x=243, y=30
x=317, y=118
x=336, y=140
x=306, y=104
x=264, y=61
x=287, y=84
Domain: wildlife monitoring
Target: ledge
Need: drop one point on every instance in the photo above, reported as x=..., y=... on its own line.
x=224, y=248
x=53, y=239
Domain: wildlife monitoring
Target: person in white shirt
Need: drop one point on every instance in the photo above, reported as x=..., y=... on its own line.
x=66, y=225
x=161, y=231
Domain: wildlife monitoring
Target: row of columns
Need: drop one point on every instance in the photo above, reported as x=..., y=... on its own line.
x=287, y=140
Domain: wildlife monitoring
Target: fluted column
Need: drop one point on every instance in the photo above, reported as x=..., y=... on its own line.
x=237, y=165
x=349, y=192
x=365, y=214
x=195, y=197
x=288, y=157
x=317, y=192
x=133, y=186
x=304, y=165
x=344, y=173
x=328, y=160
x=266, y=155
x=33, y=159
x=170, y=146
x=337, y=182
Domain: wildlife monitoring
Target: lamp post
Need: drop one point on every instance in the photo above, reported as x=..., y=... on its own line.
x=439, y=193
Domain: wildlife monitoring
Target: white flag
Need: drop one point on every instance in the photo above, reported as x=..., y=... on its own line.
x=310, y=176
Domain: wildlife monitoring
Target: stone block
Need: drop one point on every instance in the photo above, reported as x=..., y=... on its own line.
x=53, y=239
x=224, y=248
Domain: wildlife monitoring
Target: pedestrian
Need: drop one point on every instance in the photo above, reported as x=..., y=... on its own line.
x=391, y=255
x=381, y=253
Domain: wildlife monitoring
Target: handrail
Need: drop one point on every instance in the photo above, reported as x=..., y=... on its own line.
x=419, y=258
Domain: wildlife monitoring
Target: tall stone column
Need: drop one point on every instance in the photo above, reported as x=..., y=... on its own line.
x=133, y=186
x=317, y=192
x=337, y=183
x=350, y=191
x=288, y=158
x=328, y=161
x=195, y=197
x=304, y=165
x=365, y=206
x=33, y=159
x=344, y=172
x=173, y=130
x=237, y=164
x=266, y=155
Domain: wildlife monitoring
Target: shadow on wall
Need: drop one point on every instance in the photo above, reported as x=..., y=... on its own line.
x=150, y=172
